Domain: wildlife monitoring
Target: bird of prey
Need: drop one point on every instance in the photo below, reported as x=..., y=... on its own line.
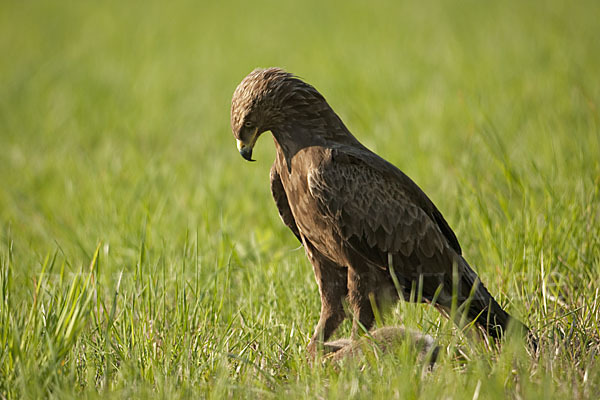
x=371, y=234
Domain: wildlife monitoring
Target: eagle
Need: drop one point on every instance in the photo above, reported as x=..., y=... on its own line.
x=371, y=234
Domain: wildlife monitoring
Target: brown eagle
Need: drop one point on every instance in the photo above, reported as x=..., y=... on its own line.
x=371, y=234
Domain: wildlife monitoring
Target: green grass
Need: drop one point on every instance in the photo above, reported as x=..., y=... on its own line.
x=141, y=256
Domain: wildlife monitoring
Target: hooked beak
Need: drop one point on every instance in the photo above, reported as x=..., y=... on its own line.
x=245, y=149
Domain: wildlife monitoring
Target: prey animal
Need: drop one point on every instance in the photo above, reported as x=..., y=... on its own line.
x=370, y=233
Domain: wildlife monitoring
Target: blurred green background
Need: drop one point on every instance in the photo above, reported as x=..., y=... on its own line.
x=114, y=135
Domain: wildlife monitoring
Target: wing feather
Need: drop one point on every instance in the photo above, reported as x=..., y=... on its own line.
x=359, y=155
x=281, y=201
x=374, y=213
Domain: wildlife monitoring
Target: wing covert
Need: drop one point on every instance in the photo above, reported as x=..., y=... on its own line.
x=373, y=212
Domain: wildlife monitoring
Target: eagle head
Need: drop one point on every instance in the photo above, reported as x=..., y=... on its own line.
x=256, y=106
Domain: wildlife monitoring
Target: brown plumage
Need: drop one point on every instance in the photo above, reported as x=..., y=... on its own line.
x=366, y=227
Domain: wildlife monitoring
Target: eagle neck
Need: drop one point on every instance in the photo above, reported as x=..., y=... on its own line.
x=290, y=139
x=296, y=134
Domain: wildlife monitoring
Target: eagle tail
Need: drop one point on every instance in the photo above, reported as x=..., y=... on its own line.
x=477, y=304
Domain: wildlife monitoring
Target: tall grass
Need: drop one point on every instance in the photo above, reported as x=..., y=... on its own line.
x=141, y=256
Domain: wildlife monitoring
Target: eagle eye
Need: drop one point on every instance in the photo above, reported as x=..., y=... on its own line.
x=248, y=124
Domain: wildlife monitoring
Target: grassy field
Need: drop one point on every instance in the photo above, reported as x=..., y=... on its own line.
x=141, y=256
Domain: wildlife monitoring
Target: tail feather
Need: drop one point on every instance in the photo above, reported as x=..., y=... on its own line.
x=479, y=305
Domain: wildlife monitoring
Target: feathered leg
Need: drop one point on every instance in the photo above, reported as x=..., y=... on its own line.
x=331, y=279
x=359, y=289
